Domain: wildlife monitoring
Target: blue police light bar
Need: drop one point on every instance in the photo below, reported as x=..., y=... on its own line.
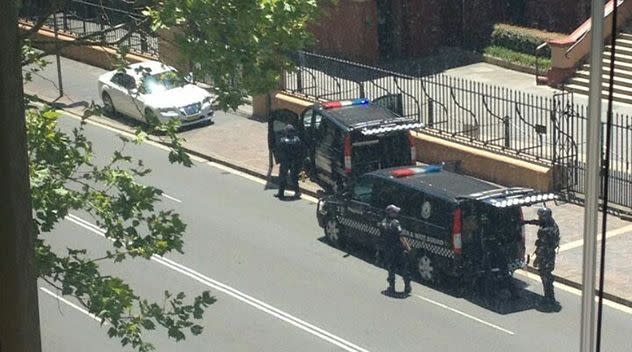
x=342, y=103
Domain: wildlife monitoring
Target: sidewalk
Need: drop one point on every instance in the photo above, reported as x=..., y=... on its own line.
x=241, y=143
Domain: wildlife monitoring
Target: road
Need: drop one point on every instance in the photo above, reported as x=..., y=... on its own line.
x=281, y=288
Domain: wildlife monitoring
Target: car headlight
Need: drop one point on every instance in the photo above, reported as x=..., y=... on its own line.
x=168, y=110
x=207, y=100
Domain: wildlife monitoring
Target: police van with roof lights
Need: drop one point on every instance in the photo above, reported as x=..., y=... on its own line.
x=458, y=226
x=345, y=139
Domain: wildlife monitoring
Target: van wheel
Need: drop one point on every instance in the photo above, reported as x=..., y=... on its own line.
x=426, y=269
x=151, y=119
x=333, y=232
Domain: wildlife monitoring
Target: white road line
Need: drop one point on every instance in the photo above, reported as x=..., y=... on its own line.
x=572, y=290
x=466, y=315
x=260, y=305
x=82, y=310
x=253, y=178
x=579, y=243
x=172, y=198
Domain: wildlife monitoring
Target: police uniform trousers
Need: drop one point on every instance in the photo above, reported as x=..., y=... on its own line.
x=293, y=167
x=396, y=260
x=545, y=270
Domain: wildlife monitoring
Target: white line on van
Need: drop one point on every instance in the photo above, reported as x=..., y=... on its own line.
x=466, y=315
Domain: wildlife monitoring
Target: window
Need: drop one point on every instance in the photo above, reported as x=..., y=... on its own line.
x=387, y=193
x=363, y=190
x=124, y=80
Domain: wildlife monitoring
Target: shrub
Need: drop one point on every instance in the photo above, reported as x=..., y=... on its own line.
x=522, y=40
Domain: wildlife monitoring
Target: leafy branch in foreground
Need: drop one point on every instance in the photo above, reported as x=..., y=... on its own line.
x=65, y=177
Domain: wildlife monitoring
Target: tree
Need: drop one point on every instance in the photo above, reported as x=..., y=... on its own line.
x=242, y=46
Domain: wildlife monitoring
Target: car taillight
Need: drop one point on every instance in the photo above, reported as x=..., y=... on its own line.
x=456, y=232
x=413, y=149
x=347, y=154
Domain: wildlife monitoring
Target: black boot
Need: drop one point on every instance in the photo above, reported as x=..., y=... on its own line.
x=407, y=288
x=391, y=287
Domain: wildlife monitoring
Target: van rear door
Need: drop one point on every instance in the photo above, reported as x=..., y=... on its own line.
x=373, y=152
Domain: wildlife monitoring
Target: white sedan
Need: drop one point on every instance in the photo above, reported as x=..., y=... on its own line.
x=153, y=92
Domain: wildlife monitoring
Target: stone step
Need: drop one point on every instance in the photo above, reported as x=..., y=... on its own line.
x=624, y=42
x=625, y=77
x=625, y=36
x=580, y=89
x=622, y=57
x=619, y=66
x=625, y=50
x=618, y=89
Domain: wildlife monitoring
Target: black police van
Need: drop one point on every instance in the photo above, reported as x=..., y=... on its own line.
x=345, y=139
x=458, y=226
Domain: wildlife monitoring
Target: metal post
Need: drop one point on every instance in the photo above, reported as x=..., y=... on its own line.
x=430, y=113
x=57, y=58
x=299, y=80
x=593, y=144
x=362, y=93
x=507, y=130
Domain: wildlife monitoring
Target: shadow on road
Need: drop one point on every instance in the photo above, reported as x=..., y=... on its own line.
x=496, y=300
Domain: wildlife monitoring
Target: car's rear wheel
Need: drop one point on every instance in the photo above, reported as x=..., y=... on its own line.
x=334, y=232
x=108, y=105
x=426, y=268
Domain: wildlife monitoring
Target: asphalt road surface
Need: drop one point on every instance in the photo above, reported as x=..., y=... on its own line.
x=280, y=287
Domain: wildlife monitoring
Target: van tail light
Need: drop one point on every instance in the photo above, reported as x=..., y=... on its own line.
x=456, y=232
x=347, y=154
x=413, y=149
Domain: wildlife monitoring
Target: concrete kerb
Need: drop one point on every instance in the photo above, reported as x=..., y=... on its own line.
x=103, y=121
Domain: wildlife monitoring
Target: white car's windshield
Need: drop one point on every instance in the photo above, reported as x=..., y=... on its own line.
x=163, y=81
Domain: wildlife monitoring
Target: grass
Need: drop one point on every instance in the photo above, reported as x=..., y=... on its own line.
x=517, y=57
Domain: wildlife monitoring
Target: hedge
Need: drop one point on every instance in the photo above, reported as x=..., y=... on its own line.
x=522, y=40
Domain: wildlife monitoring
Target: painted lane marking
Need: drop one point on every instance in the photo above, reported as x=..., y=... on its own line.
x=566, y=246
x=579, y=243
x=253, y=302
x=466, y=315
x=572, y=290
x=172, y=198
x=253, y=178
x=193, y=157
x=82, y=310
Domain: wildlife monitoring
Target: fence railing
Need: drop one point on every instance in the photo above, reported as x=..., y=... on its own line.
x=81, y=18
x=548, y=129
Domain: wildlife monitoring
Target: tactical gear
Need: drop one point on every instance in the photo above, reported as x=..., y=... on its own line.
x=290, y=157
x=394, y=256
x=546, y=244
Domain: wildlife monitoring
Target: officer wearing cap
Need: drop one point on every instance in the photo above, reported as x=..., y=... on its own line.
x=290, y=159
x=546, y=244
x=396, y=248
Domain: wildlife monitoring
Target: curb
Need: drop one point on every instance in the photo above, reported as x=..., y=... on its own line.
x=508, y=65
x=101, y=121
x=579, y=286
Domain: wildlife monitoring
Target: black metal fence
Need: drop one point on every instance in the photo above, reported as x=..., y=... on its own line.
x=119, y=21
x=550, y=130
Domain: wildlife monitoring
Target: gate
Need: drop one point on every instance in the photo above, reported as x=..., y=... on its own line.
x=565, y=153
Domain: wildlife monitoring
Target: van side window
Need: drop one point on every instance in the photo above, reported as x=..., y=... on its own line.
x=363, y=190
x=387, y=193
x=327, y=134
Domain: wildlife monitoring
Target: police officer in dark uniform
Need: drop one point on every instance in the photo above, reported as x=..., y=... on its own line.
x=547, y=243
x=396, y=248
x=290, y=159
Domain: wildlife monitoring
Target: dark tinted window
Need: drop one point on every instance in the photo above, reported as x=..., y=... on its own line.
x=363, y=189
x=123, y=80
x=386, y=193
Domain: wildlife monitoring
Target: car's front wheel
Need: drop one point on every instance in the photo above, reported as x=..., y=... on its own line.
x=334, y=232
x=108, y=105
x=151, y=118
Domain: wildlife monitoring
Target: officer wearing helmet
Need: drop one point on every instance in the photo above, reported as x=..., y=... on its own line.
x=290, y=159
x=546, y=245
x=396, y=248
